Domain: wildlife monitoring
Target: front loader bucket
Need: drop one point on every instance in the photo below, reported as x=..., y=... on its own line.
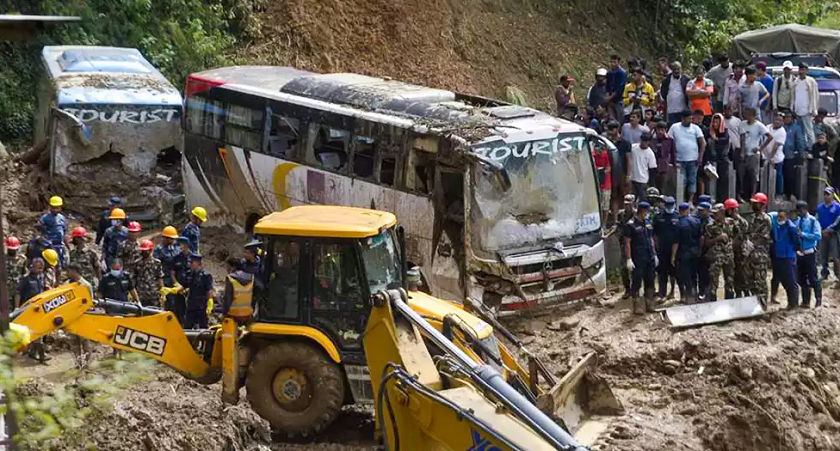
x=713, y=312
x=580, y=400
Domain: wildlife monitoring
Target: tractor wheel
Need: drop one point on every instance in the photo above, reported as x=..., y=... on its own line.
x=295, y=387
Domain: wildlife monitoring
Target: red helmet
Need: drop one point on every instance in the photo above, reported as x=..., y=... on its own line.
x=759, y=198
x=134, y=226
x=730, y=203
x=79, y=232
x=146, y=245
x=12, y=243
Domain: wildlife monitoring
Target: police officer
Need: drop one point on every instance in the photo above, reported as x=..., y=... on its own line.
x=665, y=233
x=105, y=219
x=757, y=247
x=718, y=239
x=239, y=292
x=192, y=231
x=114, y=235
x=806, y=259
x=738, y=236
x=642, y=260
x=54, y=228
x=116, y=284
x=701, y=199
x=199, y=292
x=181, y=269
x=36, y=246
x=166, y=252
x=685, y=251
x=29, y=286
x=251, y=261
x=704, y=216
x=625, y=215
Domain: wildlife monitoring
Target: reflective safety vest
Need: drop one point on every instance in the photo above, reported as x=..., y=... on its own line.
x=243, y=294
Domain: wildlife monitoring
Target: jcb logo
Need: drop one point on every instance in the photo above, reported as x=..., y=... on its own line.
x=140, y=341
x=480, y=443
x=54, y=303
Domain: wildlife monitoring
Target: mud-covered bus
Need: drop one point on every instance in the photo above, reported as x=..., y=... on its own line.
x=499, y=202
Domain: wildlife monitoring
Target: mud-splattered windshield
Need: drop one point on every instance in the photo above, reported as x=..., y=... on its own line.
x=553, y=193
x=382, y=262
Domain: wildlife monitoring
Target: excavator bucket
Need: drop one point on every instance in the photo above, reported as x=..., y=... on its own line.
x=582, y=401
x=713, y=312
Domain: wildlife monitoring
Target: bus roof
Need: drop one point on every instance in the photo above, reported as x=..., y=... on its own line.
x=106, y=75
x=472, y=118
x=326, y=221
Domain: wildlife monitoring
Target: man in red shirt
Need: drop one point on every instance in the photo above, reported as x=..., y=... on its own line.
x=601, y=157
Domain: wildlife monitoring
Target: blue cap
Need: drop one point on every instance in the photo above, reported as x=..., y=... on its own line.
x=183, y=239
x=669, y=200
x=705, y=206
x=685, y=206
x=705, y=198
x=829, y=190
x=644, y=205
x=115, y=201
x=195, y=256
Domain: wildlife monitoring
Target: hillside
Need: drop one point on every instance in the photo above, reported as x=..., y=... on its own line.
x=475, y=46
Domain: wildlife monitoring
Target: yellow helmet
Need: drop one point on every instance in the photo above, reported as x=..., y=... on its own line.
x=117, y=213
x=170, y=232
x=200, y=213
x=50, y=256
x=56, y=201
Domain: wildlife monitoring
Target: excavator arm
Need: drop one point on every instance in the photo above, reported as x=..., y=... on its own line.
x=120, y=325
x=448, y=403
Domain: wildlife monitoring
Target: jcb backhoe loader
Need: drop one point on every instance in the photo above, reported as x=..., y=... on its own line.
x=302, y=356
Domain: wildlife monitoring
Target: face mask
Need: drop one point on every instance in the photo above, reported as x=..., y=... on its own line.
x=116, y=222
x=670, y=210
x=116, y=272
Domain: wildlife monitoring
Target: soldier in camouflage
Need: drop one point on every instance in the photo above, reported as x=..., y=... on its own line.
x=739, y=232
x=15, y=263
x=148, y=275
x=757, y=248
x=718, y=239
x=85, y=258
x=129, y=250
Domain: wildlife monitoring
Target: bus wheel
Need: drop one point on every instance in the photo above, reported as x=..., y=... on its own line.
x=295, y=387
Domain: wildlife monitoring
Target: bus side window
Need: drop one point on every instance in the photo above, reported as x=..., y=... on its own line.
x=243, y=127
x=205, y=117
x=388, y=170
x=330, y=149
x=420, y=172
x=363, y=155
x=283, y=136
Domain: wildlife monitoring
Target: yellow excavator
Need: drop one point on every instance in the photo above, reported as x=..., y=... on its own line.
x=310, y=347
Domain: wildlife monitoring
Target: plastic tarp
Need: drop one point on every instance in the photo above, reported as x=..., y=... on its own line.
x=792, y=38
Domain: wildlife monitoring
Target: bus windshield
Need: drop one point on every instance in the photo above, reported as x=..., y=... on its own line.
x=382, y=263
x=553, y=193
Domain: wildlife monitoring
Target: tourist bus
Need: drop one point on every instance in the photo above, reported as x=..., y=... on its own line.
x=499, y=202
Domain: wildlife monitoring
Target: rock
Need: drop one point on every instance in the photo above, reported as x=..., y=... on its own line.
x=810, y=373
x=654, y=387
x=528, y=339
x=672, y=363
x=564, y=324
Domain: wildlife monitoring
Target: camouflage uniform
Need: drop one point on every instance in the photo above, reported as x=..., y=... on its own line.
x=86, y=258
x=757, y=261
x=50, y=280
x=15, y=269
x=149, y=271
x=720, y=256
x=129, y=253
x=739, y=234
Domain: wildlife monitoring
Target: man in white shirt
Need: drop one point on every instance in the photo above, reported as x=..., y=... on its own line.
x=719, y=74
x=783, y=88
x=776, y=151
x=689, y=145
x=806, y=97
x=732, y=88
x=754, y=138
x=643, y=160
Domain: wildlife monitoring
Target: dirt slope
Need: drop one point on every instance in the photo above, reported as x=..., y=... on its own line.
x=475, y=46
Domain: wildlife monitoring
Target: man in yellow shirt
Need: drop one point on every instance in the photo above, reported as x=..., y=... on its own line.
x=638, y=93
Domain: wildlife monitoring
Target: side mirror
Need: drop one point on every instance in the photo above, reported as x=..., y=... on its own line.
x=82, y=130
x=500, y=174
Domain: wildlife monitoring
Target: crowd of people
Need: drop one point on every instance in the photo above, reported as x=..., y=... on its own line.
x=698, y=247
x=120, y=265
x=731, y=113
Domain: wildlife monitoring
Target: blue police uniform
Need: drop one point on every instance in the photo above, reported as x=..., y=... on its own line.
x=199, y=282
x=192, y=233
x=54, y=229
x=35, y=248
x=688, y=250
x=115, y=286
x=665, y=231
x=640, y=234
x=178, y=303
x=703, y=264
x=806, y=264
x=166, y=254
x=786, y=241
x=111, y=243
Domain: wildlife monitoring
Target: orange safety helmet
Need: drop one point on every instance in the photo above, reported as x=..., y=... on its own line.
x=170, y=232
x=134, y=226
x=759, y=198
x=146, y=245
x=730, y=203
x=117, y=213
x=79, y=232
x=12, y=243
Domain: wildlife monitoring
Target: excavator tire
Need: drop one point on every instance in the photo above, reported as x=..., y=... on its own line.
x=295, y=387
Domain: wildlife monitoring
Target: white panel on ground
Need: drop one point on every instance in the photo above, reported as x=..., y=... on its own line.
x=713, y=312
